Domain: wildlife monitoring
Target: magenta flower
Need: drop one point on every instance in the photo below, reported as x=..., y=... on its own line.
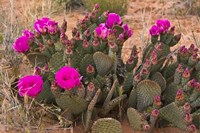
x=30, y=85
x=52, y=27
x=163, y=25
x=113, y=19
x=28, y=34
x=154, y=31
x=40, y=25
x=127, y=32
x=101, y=31
x=21, y=44
x=67, y=78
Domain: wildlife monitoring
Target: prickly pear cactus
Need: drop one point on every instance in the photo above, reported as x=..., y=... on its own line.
x=106, y=125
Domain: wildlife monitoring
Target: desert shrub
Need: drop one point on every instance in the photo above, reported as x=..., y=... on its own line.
x=117, y=6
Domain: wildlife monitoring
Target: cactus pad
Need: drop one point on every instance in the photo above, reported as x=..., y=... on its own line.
x=128, y=82
x=57, y=61
x=103, y=63
x=135, y=119
x=173, y=114
x=158, y=78
x=76, y=104
x=37, y=59
x=146, y=91
x=107, y=125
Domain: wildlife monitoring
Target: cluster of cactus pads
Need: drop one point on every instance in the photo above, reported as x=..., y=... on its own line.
x=160, y=88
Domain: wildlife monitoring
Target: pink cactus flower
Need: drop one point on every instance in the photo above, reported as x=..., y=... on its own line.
x=21, y=44
x=127, y=32
x=28, y=34
x=113, y=19
x=101, y=31
x=40, y=25
x=30, y=85
x=68, y=78
x=163, y=25
x=155, y=113
x=52, y=27
x=154, y=31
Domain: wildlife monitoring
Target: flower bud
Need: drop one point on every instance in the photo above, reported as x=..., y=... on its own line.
x=146, y=127
x=187, y=107
x=137, y=77
x=90, y=86
x=192, y=83
x=155, y=113
x=179, y=95
x=197, y=87
x=147, y=63
x=191, y=128
x=37, y=71
x=69, y=51
x=186, y=73
x=85, y=43
x=188, y=118
x=95, y=42
x=157, y=101
x=87, y=32
x=179, y=69
x=90, y=69
x=159, y=46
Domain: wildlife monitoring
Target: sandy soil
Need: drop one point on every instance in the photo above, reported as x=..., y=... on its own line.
x=141, y=15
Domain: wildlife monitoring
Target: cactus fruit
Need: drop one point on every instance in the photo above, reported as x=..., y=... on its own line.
x=106, y=125
x=146, y=91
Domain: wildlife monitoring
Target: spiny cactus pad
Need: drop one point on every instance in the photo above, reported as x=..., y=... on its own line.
x=158, y=78
x=174, y=115
x=146, y=91
x=87, y=60
x=76, y=104
x=37, y=59
x=103, y=63
x=57, y=61
x=136, y=119
x=107, y=125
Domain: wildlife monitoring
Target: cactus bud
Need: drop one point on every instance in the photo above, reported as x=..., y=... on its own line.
x=54, y=85
x=113, y=46
x=137, y=77
x=191, y=48
x=159, y=46
x=77, y=36
x=74, y=31
x=95, y=42
x=90, y=86
x=46, y=68
x=172, y=29
x=179, y=95
x=186, y=73
x=157, y=101
x=191, y=128
x=85, y=43
x=144, y=71
x=50, y=42
x=93, y=15
x=37, y=71
x=87, y=32
x=147, y=63
x=42, y=48
x=69, y=51
x=96, y=6
x=146, y=127
x=155, y=113
x=179, y=69
x=130, y=61
x=192, y=83
x=197, y=87
x=187, y=107
x=64, y=26
x=105, y=14
x=183, y=51
x=90, y=69
x=188, y=118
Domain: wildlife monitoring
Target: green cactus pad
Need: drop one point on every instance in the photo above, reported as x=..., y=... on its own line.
x=87, y=60
x=170, y=93
x=57, y=61
x=146, y=91
x=128, y=82
x=103, y=63
x=135, y=119
x=113, y=103
x=196, y=103
x=75, y=60
x=155, y=68
x=67, y=101
x=169, y=70
x=132, y=101
x=158, y=78
x=107, y=125
x=37, y=59
x=46, y=94
x=174, y=115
